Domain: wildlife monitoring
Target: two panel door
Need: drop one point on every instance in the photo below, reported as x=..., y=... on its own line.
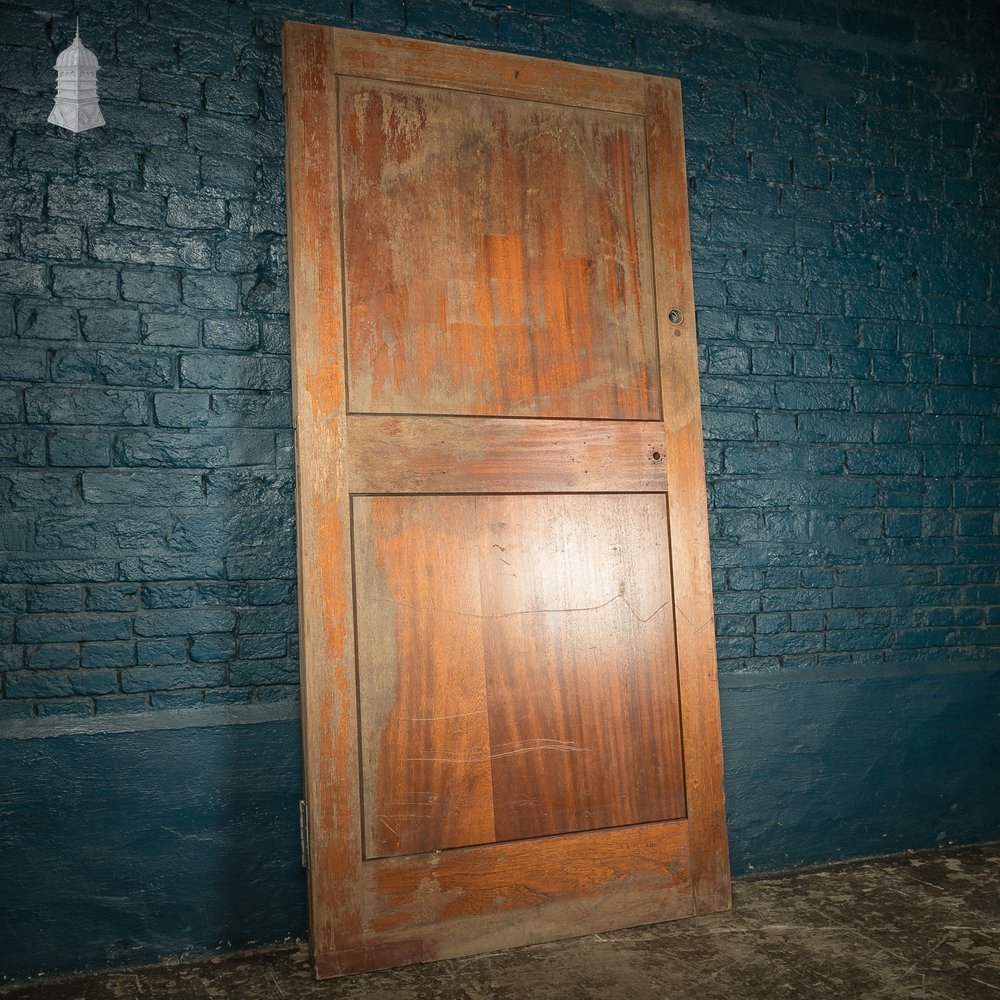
x=509, y=700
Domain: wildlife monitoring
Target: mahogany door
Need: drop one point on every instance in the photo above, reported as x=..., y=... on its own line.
x=509, y=694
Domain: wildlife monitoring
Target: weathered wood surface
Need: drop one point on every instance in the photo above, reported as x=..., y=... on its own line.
x=517, y=893
x=486, y=455
x=497, y=256
x=381, y=57
x=516, y=665
x=500, y=472
x=685, y=460
x=329, y=719
x=640, y=866
x=425, y=740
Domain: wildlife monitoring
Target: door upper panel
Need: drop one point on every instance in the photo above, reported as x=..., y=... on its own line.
x=496, y=255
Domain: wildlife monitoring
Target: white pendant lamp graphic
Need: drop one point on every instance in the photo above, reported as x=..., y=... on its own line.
x=76, y=106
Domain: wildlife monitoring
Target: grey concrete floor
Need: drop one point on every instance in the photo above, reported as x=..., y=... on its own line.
x=916, y=926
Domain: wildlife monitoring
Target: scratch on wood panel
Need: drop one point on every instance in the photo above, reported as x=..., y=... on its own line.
x=389, y=826
x=423, y=800
x=442, y=718
x=540, y=743
x=698, y=630
x=532, y=611
x=562, y=746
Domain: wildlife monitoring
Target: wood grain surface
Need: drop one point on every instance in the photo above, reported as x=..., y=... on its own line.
x=510, y=707
x=497, y=256
x=480, y=899
x=486, y=455
x=639, y=865
x=381, y=57
x=329, y=697
x=425, y=740
x=690, y=556
x=516, y=665
x=581, y=681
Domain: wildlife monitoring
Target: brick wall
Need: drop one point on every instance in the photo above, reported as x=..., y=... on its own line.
x=844, y=167
x=844, y=164
x=149, y=528
x=845, y=205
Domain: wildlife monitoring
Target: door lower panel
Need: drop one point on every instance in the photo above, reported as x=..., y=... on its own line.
x=516, y=667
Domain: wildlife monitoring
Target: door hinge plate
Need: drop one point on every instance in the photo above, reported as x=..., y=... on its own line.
x=304, y=832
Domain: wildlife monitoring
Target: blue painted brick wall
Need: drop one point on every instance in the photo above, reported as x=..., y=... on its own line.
x=844, y=172
x=148, y=482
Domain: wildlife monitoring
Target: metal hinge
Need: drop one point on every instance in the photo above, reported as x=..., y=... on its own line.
x=304, y=833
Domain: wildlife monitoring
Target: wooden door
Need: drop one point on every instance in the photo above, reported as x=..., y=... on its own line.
x=509, y=693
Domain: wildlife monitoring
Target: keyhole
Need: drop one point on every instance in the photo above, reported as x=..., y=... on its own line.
x=675, y=316
x=656, y=456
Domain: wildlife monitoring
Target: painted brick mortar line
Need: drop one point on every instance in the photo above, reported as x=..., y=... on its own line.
x=843, y=169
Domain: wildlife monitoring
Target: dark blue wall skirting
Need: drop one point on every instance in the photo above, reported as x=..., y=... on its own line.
x=130, y=847
x=127, y=846
x=817, y=772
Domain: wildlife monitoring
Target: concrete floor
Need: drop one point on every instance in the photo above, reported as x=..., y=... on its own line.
x=916, y=926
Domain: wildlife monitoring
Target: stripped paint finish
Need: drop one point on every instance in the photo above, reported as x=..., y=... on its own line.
x=685, y=469
x=508, y=427
x=322, y=498
x=390, y=454
x=518, y=674
x=497, y=257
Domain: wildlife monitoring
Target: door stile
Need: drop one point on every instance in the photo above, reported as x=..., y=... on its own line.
x=687, y=499
x=326, y=622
